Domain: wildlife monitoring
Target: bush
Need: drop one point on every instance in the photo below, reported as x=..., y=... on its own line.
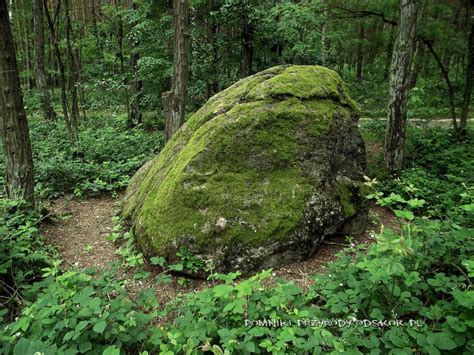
x=77, y=312
x=22, y=254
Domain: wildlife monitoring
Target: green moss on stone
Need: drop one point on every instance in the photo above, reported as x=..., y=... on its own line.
x=345, y=196
x=232, y=174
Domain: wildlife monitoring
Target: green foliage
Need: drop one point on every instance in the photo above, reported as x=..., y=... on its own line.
x=22, y=253
x=440, y=170
x=420, y=275
x=127, y=250
x=416, y=275
x=126, y=245
x=78, y=312
x=106, y=156
x=187, y=262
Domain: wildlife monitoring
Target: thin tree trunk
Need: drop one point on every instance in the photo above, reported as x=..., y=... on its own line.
x=444, y=73
x=15, y=133
x=137, y=85
x=174, y=101
x=80, y=81
x=360, y=54
x=62, y=75
x=391, y=41
x=469, y=79
x=399, y=82
x=417, y=59
x=24, y=23
x=340, y=62
x=123, y=72
x=41, y=83
x=323, y=38
x=73, y=69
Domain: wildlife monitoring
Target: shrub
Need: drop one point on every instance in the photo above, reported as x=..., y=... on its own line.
x=22, y=254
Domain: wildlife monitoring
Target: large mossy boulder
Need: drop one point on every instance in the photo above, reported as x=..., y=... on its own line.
x=258, y=177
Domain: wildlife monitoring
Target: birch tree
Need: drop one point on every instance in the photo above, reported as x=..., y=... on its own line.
x=399, y=85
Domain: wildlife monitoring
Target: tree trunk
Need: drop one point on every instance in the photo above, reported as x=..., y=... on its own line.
x=360, y=54
x=417, y=59
x=122, y=71
x=73, y=69
x=399, y=82
x=174, y=101
x=41, y=84
x=323, y=38
x=25, y=30
x=15, y=133
x=340, y=62
x=137, y=84
x=391, y=41
x=418, y=56
x=445, y=75
x=247, y=49
x=469, y=79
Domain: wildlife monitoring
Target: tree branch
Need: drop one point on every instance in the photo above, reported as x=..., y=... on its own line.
x=350, y=13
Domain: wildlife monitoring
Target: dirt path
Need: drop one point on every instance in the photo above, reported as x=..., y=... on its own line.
x=81, y=228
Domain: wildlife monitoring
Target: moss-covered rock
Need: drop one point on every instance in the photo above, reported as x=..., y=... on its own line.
x=258, y=177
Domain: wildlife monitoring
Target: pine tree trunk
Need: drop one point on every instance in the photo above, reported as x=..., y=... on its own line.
x=41, y=84
x=15, y=133
x=469, y=80
x=399, y=82
x=174, y=101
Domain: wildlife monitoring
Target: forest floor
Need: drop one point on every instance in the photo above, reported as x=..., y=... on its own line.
x=79, y=228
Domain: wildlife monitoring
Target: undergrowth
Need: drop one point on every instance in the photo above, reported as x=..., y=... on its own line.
x=104, y=159
x=410, y=292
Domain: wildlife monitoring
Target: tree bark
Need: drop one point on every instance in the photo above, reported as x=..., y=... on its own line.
x=137, y=84
x=174, y=101
x=41, y=85
x=399, y=82
x=247, y=49
x=15, y=133
x=469, y=79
